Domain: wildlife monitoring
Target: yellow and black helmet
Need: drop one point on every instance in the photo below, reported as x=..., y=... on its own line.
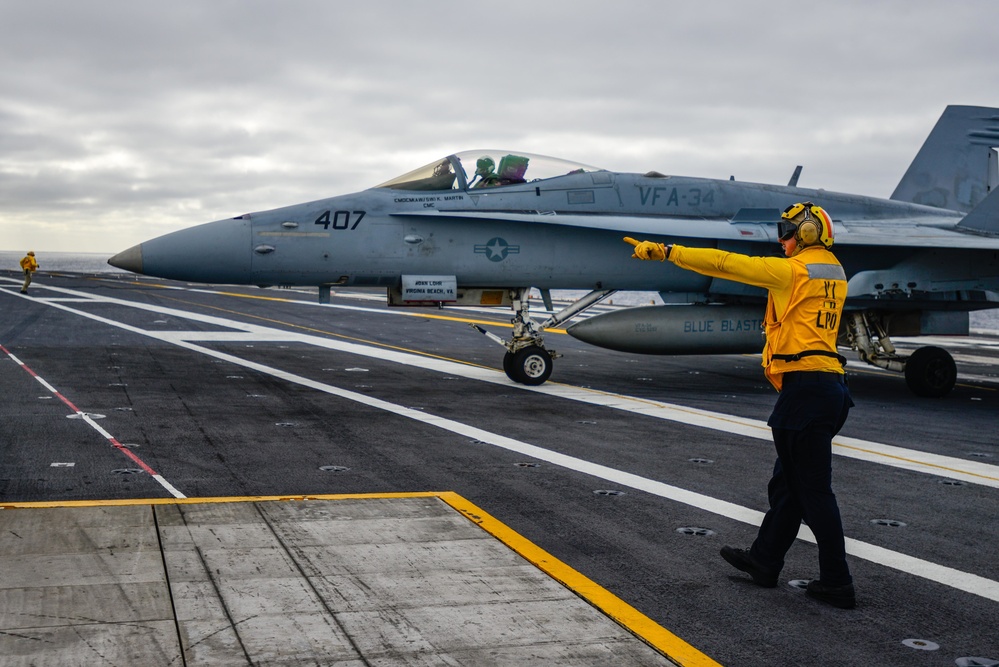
x=806, y=222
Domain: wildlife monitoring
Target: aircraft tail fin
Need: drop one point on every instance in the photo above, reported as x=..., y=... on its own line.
x=957, y=167
x=984, y=219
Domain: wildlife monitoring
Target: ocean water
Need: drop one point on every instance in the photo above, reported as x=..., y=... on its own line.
x=986, y=321
x=79, y=262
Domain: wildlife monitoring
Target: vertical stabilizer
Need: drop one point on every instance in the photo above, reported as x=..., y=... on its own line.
x=956, y=167
x=985, y=218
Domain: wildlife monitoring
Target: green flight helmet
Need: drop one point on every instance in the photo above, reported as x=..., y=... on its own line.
x=484, y=166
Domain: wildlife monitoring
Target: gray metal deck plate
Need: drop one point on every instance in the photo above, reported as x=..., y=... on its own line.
x=386, y=581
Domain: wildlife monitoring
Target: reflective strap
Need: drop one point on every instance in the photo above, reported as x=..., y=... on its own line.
x=825, y=272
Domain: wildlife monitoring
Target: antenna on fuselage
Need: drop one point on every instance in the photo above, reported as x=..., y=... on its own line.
x=793, y=183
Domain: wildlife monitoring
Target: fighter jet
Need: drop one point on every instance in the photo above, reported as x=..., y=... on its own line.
x=485, y=227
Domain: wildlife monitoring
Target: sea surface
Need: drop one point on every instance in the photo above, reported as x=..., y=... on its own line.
x=77, y=262
x=985, y=321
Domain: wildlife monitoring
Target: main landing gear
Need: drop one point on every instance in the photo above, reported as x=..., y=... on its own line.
x=929, y=371
x=527, y=360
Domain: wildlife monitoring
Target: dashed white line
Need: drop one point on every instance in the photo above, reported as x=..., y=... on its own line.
x=984, y=474
x=94, y=425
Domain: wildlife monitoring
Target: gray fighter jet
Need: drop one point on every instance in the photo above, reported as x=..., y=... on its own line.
x=484, y=227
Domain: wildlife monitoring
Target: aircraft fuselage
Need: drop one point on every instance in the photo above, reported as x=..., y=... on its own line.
x=563, y=233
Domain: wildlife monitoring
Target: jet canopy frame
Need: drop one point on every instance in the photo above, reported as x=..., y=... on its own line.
x=458, y=171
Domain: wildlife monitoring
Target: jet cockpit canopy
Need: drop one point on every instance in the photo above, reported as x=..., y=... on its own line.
x=483, y=169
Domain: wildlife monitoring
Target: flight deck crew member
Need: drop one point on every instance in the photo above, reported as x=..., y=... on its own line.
x=805, y=300
x=29, y=266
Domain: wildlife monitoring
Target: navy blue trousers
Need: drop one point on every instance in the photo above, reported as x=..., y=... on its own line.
x=811, y=409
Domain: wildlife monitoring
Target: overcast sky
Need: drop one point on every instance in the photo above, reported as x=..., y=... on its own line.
x=120, y=121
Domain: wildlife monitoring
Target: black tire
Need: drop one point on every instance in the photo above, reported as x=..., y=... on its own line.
x=508, y=366
x=531, y=365
x=930, y=372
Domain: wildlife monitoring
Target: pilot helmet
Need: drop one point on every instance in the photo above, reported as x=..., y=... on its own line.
x=484, y=166
x=808, y=223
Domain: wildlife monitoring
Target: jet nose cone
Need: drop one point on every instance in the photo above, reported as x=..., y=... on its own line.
x=128, y=260
x=215, y=252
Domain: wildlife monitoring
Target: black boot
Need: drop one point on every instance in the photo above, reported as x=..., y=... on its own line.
x=838, y=596
x=740, y=559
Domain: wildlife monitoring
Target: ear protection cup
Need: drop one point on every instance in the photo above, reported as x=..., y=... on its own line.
x=809, y=232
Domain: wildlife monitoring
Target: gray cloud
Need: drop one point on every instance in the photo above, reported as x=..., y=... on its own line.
x=122, y=120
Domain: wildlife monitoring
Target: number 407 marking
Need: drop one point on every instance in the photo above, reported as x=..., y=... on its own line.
x=340, y=219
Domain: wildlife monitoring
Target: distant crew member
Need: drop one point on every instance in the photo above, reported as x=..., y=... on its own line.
x=29, y=266
x=804, y=309
x=485, y=171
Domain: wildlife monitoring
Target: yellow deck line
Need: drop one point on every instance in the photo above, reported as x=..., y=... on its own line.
x=627, y=616
x=464, y=320
x=611, y=605
x=954, y=471
x=355, y=339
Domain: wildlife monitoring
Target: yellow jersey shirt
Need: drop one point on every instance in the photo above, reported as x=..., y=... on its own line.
x=806, y=294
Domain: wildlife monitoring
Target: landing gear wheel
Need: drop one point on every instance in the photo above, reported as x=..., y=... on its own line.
x=930, y=372
x=508, y=365
x=531, y=365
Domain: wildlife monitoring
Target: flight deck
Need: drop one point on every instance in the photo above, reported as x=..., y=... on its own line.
x=247, y=476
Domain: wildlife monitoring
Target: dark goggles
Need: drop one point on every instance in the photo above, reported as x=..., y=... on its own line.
x=786, y=230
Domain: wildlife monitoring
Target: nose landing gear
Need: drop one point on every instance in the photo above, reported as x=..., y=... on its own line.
x=527, y=360
x=531, y=365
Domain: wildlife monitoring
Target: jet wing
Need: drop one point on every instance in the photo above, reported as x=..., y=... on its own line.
x=922, y=232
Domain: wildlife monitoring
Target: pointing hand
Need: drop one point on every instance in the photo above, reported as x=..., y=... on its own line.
x=648, y=249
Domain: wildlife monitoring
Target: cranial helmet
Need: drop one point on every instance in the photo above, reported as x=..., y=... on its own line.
x=807, y=223
x=484, y=166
